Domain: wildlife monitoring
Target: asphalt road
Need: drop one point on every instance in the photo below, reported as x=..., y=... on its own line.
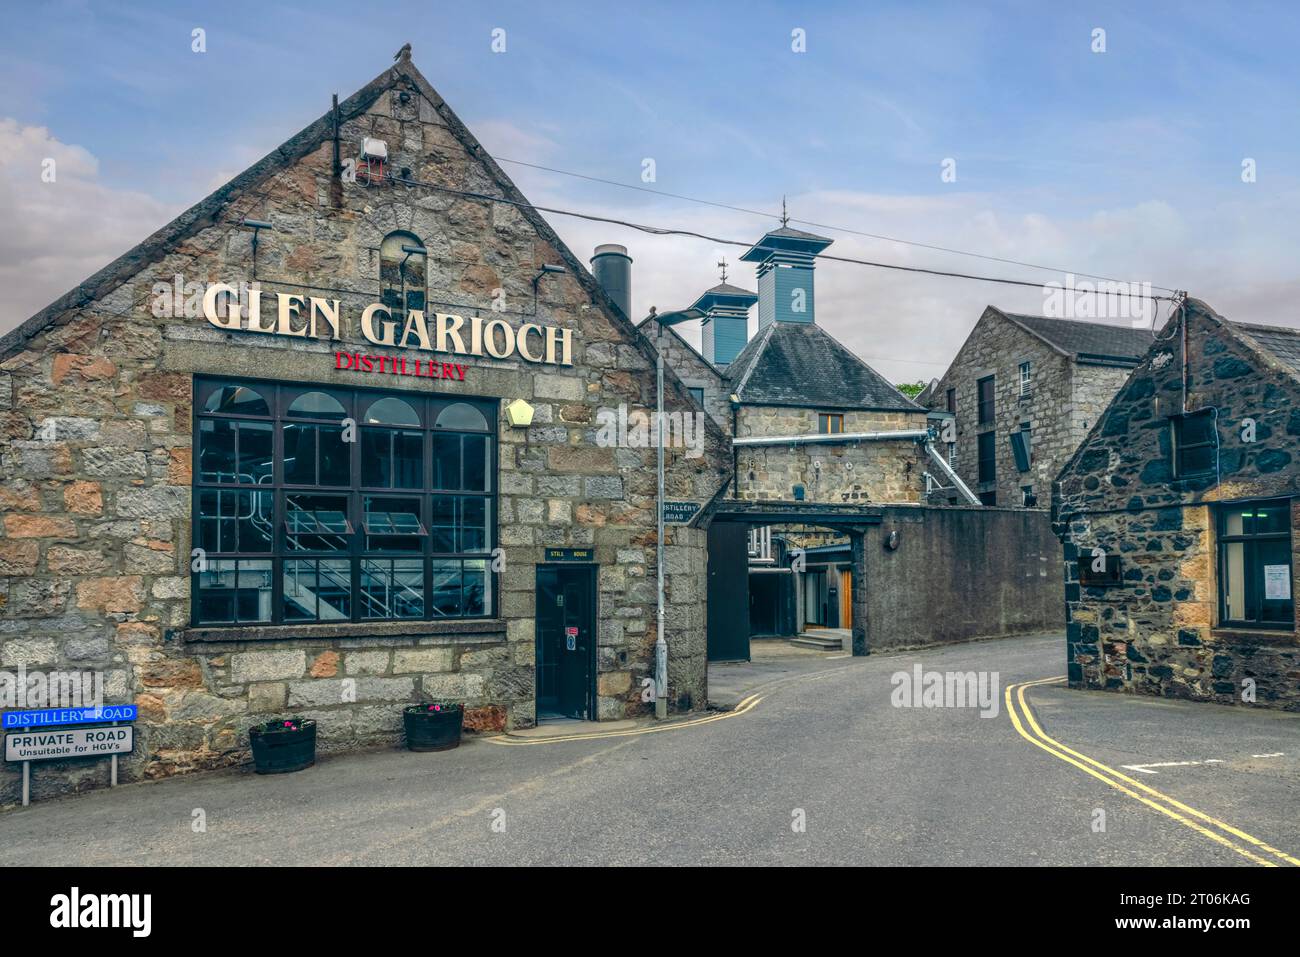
x=872, y=783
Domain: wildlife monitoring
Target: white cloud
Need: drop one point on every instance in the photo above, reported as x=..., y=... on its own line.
x=1235, y=251
x=58, y=233
x=910, y=325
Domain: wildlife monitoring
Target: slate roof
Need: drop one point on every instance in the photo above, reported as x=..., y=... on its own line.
x=727, y=289
x=800, y=364
x=1093, y=342
x=785, y=238
x=1282, y=342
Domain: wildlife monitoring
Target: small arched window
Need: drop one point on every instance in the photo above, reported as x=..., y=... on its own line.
x=317, y=405
x=391, y=411
x=402, y=273
x=236, y=400
x=462, y=417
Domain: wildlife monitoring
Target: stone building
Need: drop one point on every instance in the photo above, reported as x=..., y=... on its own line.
x=329, y=442
x=1179, y=515
x=811, y=423
x=1022, y=393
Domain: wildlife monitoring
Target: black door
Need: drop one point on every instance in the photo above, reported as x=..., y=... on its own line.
x=728, y=592
x=566, y=641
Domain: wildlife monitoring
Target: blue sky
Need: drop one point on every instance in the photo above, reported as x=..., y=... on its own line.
x=1126, y=162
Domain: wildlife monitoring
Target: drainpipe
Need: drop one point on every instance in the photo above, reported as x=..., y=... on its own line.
x=915, y=435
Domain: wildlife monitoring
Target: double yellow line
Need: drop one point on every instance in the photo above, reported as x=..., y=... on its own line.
x=1198, y=821
x=745, y=706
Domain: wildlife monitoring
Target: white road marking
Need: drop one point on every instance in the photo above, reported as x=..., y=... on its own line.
x=1146, y=768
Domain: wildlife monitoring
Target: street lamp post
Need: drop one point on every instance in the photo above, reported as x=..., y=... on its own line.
x=661, y=642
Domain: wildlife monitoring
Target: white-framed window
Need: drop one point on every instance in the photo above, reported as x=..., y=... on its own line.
x=1026, y=379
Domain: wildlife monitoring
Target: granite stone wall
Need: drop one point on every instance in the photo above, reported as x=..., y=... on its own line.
x=1065, y=401
x=1158, y=631
x=96, y=449
x=693, y=371
x=835, y=472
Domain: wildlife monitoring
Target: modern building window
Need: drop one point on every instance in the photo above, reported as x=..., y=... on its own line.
x=697, y=393
x=952, y=401
x=1195, y=443
x=321, y=504
x=830, y=423
x=988, y=471
x=401, y=274
x=1026, y=379
x=1254, y=542
x=986, y=403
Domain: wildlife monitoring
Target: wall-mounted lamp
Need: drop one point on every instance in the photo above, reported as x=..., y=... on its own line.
x=546, y=269
x=519, y=414
x=256, y=225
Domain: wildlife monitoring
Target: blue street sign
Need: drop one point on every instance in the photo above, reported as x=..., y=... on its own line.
x=53, y=716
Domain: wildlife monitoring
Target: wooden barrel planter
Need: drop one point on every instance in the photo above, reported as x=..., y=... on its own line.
x=283, y=745
x=432, y=726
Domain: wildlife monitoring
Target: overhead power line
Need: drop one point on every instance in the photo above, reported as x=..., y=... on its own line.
x=672, y=231
x=811, y=223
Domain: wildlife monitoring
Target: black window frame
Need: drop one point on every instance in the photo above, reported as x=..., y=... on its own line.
x=986, y=405
x=986, y=453
x=1252, y=573
x=1180, y=448
x=394, y=542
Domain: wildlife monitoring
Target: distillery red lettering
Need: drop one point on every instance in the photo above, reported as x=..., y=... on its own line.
x=398, y=365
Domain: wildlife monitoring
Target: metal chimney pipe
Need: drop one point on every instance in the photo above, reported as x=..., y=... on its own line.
x=612, y=267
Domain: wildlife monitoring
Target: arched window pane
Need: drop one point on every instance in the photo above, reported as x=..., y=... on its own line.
x=462, y=416
x=401, y=274
x=236, y=400
x=391, y=411
x=317, y=405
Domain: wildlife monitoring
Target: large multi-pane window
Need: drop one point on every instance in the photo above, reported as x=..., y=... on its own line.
x=318, y=504
x=1254, y=540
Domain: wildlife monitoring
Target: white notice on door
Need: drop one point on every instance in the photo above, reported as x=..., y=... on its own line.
x=1277, y=582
